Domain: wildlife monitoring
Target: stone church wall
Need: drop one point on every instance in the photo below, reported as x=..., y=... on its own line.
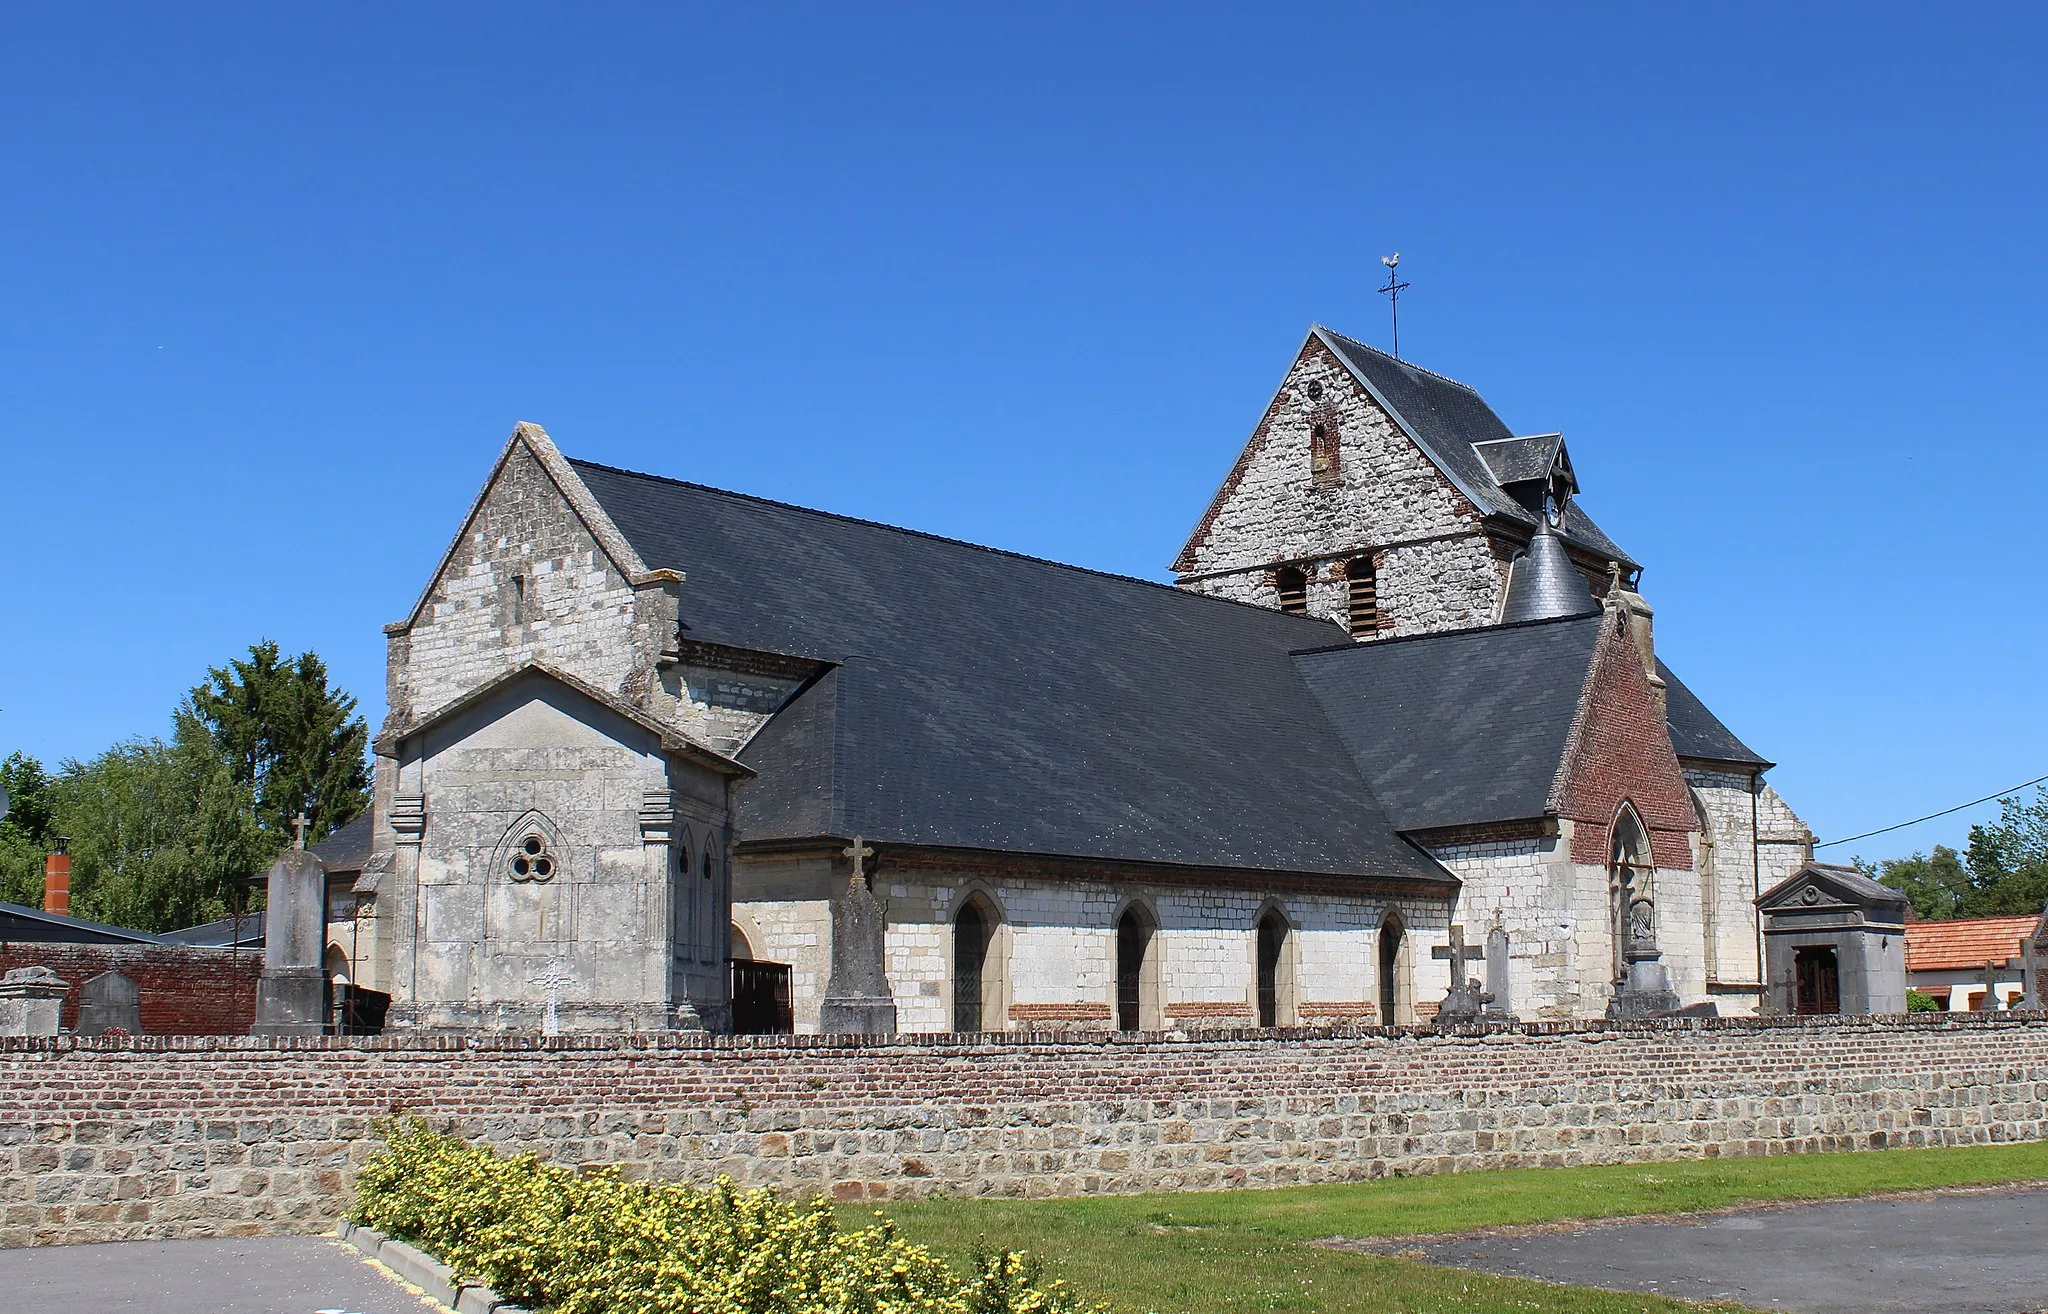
x=1055, y=953
x=126, y=1139
x=1435, y=569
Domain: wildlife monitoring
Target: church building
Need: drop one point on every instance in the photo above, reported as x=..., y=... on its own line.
x=661, y=756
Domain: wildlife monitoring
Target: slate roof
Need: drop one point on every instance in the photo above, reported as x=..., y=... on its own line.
x=1520, y=460
x=986, y=700
x=245, y=932
x=1458, y=728
x=20, y=923
x=1966, y=943
x=1446, y=418
x=1696, y=732
x=1843, y=881
x=349, y=847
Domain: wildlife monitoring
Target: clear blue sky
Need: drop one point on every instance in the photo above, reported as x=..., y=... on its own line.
x=278, y=280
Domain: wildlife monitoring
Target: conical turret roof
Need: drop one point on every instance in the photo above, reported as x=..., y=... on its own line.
x=1546, y=585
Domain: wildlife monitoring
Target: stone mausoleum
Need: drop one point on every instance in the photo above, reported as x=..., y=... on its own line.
x=663, y=756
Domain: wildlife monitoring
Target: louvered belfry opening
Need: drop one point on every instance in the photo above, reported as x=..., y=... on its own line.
x=1293, y=585
x=1365, y=597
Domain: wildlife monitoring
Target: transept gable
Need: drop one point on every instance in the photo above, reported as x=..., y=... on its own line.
x=1619, y=751
x=529, y=442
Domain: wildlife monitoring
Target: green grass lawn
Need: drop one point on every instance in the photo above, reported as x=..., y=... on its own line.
x=1227, y=1251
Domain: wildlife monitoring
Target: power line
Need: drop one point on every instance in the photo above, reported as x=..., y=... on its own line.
x=1932, y=815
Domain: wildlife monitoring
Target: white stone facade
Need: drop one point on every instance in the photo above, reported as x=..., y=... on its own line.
x=1053, y=958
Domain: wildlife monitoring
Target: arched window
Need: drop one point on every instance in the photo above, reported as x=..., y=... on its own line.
x=1292, y=583
x=1364, y=597
x=1710, y=885
x=1137, y=971
x=977, y=969
x=1630, y=896
x=1391, y=935
x=1274, y=974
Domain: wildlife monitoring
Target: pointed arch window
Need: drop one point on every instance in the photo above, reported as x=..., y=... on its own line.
x=1137, y=970
x=1392, y=933
x=977, y=967
x=1292, y=583
x=1363, y=585
x=1274, y=970
x=1631, y=896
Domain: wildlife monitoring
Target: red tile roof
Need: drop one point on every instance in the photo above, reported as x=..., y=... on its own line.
x=1965, y=943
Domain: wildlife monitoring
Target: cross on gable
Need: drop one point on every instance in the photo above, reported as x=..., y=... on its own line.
x=1457, y=955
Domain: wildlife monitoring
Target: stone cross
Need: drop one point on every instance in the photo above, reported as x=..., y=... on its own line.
x=1993, y=969
x=551, y=979
x=1460, y=957
x=858, y=852
x=299, y=831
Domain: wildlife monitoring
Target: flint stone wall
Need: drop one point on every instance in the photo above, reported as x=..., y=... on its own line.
x=163, y=1137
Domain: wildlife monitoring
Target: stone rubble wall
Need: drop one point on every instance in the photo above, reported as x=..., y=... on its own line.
x=136, y=1138
x=1435, y=568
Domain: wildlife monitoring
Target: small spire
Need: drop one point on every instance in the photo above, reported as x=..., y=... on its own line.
x=1546, y=585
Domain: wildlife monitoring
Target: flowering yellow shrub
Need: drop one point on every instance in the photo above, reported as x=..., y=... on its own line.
x=590, y=1243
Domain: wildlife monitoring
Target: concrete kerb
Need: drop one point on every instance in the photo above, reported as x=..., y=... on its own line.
x=424, y=1271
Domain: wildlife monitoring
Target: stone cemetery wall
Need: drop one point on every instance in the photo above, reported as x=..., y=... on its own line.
x=185, y=991
x=112, y=1139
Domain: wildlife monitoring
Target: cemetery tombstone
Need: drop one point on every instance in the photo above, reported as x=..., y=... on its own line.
x=31, y=1001
x=109, y=1002
x=291, y=994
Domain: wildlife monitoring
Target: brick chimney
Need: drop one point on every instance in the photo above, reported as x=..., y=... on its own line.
x=57, y=880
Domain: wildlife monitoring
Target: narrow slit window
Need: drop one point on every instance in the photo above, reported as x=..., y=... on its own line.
x=1322, y=454
x=1293, y=585
x=1364, y=587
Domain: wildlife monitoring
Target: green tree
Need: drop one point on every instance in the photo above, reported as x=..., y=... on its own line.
x=2008, y=858
x=161, y=835
x=2003, y=872
x=1937, y=885
x=25, y=832
x=290, y=737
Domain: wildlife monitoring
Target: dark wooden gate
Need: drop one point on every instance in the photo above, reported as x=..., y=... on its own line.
x=1819, y=980
x=760, y=999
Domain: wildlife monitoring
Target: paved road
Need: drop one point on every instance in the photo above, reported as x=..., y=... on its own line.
x=1956, y=1254
x=263, y=1275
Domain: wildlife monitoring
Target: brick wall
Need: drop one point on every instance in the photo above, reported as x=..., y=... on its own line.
x=1620, y=750
x=185, y=991
x=106, y=1140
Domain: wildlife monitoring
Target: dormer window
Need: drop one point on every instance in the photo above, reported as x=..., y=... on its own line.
x=1293, y=585
x=1364, y=589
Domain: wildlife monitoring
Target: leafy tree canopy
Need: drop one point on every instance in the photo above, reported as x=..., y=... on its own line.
x=165, y=834
x=289, y=736
x=2003, y=871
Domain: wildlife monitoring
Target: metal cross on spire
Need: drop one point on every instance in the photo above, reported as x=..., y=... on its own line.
x=1392, y=292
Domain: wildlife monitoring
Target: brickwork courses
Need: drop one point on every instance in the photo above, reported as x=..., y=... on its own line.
x=122, y=1139
x=184, y=990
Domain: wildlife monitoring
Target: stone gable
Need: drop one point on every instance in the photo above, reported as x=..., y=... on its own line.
x=1362, y=489
x=529, y=580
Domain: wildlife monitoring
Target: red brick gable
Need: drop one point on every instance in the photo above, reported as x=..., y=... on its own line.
x=1620, y=751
